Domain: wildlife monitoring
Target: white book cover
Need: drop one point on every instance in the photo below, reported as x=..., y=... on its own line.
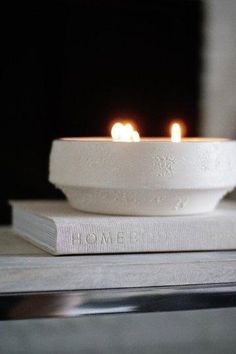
x=24, y=267
x=59, y=229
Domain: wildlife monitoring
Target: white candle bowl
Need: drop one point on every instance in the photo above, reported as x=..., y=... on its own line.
x=149, y=177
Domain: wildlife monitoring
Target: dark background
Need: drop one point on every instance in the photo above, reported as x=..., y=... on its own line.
x=71, y=67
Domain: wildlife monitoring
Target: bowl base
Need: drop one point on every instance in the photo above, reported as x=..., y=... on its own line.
x=143, y=202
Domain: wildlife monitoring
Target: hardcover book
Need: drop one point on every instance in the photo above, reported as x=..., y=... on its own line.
x=24, y=267
x=59, y=229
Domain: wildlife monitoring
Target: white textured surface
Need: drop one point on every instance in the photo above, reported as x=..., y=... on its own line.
x=54, y=222
x=28, y=271
x=145, y=178
x=162, y=202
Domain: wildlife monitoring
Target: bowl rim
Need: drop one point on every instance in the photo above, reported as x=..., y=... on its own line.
x=158, y=140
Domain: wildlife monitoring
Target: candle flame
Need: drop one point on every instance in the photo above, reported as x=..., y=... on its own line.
x=124, y=132
x=175, y=133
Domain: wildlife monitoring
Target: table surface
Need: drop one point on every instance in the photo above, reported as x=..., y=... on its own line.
x=75, y=303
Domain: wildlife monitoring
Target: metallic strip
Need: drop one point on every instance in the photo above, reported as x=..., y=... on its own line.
x=56, y=304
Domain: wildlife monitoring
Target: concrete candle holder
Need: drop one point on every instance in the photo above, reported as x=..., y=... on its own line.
x=149, y=177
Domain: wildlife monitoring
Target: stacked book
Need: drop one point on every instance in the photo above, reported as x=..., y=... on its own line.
x=130, y=251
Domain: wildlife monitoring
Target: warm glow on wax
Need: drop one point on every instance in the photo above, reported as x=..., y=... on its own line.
x=124, y=132
x=175, y=133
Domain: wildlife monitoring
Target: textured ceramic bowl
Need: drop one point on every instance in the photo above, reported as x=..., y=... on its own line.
x=150, y=177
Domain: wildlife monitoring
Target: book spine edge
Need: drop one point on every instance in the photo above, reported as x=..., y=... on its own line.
x=97, y=239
